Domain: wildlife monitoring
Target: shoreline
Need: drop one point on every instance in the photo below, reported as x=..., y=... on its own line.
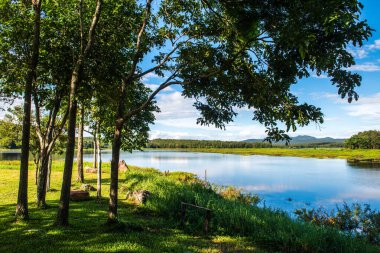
x=361, y=156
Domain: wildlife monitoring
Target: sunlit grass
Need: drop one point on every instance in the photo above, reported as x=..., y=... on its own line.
x=304, y=152
x=155, y=227
x=88, y=233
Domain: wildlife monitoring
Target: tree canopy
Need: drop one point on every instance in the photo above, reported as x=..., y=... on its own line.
x=364, y=140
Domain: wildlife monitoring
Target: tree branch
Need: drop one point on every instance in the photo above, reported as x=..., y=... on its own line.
x=38, y=117
x=81, y=26
x=136, y=57
x=60, y=129
x=167, y=58
x=91, y=32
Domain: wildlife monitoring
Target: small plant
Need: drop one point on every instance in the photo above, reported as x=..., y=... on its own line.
x=357, y=220
x=233, y=193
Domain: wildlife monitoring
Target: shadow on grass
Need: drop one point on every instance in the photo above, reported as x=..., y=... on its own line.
x=88, y=233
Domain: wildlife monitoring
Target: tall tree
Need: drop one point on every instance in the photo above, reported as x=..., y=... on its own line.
x=233, y=54
x=76, y=78
x=22, y=199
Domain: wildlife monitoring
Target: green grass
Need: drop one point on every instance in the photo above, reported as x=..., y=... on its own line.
x=352, y=154
x=154, y=227
x=88, y=233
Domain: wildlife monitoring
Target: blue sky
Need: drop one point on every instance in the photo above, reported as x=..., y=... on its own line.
x=178, y=117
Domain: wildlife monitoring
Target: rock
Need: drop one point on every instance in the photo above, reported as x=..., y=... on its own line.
x=91, y=170
x=141, y=196
x=123, y=167
x=88, y=187
x=79, y=195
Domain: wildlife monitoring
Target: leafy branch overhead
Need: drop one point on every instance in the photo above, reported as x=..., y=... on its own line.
x=233, y=54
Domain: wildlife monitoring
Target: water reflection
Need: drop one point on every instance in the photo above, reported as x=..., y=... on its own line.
x=364, y=164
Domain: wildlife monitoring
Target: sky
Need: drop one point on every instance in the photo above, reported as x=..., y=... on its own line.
x=177, y=119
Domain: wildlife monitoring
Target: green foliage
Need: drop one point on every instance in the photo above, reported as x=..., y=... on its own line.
x=11, y=128
x=356, y=220
x=364, y=140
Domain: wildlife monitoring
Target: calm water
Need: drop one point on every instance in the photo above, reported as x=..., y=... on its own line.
x=284, y=182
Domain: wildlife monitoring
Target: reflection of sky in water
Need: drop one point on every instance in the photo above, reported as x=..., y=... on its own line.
x=283, y=182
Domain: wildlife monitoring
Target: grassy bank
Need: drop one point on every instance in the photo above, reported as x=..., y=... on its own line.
x=351, y=154
x=155, y=227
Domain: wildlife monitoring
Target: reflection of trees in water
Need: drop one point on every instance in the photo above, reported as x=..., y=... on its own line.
x=10, y=156
x=364, y=164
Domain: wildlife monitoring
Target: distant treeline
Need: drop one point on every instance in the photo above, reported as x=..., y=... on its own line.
x=315, y=145
x=364, y=140
x=168, y=143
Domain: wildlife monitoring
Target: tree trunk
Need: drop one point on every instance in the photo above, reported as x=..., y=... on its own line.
x=49, y=173
x=64, y=201
x=95, y=158
x=42, y=179
x=116, y=144
x=37, y=163
x=99, y=178
x=80, y=177
x=22, y=198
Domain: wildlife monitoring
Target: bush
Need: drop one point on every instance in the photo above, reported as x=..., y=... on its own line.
x=358, y=221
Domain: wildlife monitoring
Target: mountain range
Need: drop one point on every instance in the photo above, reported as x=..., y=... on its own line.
x=302, y=139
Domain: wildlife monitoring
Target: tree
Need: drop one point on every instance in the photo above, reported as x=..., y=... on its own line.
x=30, y=77
x=234, y=54
x=364, y=140
x=11, y=127
x=76, y=78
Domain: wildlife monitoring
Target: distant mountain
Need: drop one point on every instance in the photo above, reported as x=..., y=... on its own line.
x=302, y=139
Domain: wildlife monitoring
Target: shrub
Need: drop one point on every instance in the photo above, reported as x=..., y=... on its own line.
x=358, y=220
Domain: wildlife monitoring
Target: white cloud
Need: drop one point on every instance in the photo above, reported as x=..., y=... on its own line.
x=365, y=108
x=156, y=134
x=153, y=87
x=321, y=76
x=174, y=106
x=364, y=51
x=269, y=188
x=375, y=46
x=366, y=67
x=359, y=53
x=324, y=95
x=151, y=76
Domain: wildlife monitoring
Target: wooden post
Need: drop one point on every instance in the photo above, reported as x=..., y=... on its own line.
x=207, y=221
x=207, y=216
x=183, y=214
x=99, y=174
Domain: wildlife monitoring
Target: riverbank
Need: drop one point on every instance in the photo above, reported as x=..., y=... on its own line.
x=349, y=154
x=355, y=155
x=154, y=227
